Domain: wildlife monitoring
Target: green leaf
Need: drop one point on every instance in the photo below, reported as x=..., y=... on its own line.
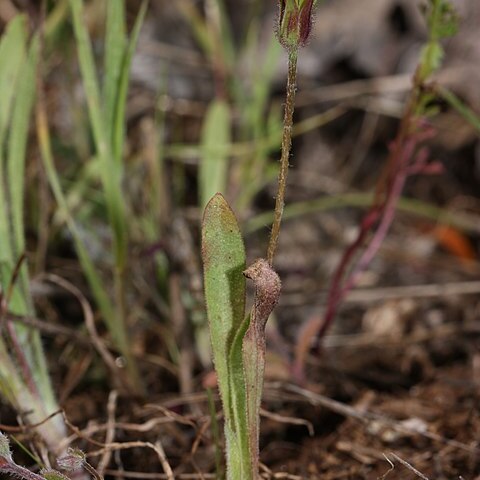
x=466, y=112
x=12, y=54
x=24, y=379
x=442, y=22
x=442, y=19
x=17, y=144
x=111, y=169
x=118, y=114
x=215, y=145
x=431, y=59
x=115, y=42
x=223, y=256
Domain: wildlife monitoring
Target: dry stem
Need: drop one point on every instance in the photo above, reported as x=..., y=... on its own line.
x=286, y=147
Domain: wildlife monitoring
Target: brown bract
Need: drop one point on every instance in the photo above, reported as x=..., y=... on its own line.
x=267, y=289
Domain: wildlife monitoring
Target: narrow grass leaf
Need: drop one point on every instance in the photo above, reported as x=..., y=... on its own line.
x=226, y=45
x=90, y=81
x=197, y=24
x=223, y=256
x=215, y=141
x=21, y=302
x=110, y=174
x=86, y=262
x=25, y=94
x=24, y=378
x=115, y=43
x=12, y=56
x=118, y=117
x=466, y=112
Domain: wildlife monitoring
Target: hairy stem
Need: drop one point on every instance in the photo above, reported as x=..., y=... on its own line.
x=286, y=147
x=18, y=471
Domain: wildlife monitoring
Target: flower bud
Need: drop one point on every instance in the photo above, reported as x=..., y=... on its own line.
x=295, y=22
x=73, y=460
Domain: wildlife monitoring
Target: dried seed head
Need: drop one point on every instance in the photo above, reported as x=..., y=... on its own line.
x=267, y=288
x=294, y=23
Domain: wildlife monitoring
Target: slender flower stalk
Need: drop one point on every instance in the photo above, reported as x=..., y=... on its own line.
x=284, y=159
x=293, y=30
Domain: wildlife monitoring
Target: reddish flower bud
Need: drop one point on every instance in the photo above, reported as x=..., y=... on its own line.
x=295, y=22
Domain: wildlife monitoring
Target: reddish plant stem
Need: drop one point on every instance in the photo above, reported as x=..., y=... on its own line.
x=15, y=470
x=402, y=162
x=335, y=294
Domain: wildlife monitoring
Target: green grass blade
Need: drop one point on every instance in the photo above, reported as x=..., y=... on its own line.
x=197, y=24
x=461, y=220
x=17, y=144
x=223, y=256
x=118, y=117
x=115, y=43
x=90, y=81
x=21, y=114
x=93, y=278
x=226, y=46
x=10, y=383
x=111, y=174
x=15, y=178
x=467, y=113
x=55, y=22
x=24, y=380
x=12, y=54
x=215, y=140
x=111, y=170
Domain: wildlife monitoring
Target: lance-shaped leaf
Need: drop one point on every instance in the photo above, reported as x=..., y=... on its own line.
x=223, y=255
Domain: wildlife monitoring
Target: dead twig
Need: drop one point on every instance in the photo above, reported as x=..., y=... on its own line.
x=110, y=432
x=157, y=448
x=159, y=476
x=288, y=420
x=26, y=428
x=410, y=467
x=390, y=470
